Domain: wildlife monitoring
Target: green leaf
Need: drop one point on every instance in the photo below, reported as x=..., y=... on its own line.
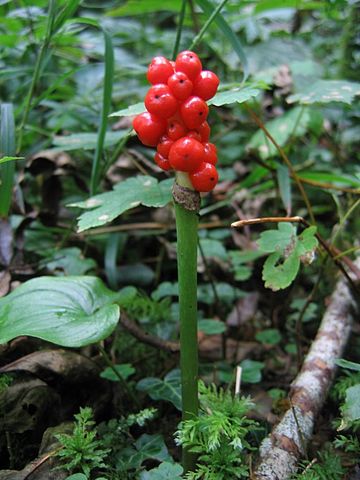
x=251, y=371
x=335, y=178
x=68, y=261
x=130, y=111
x=7, y=148
x=351, y=407
x=213, y=249
x=165, y=471
x=167, y=389
x=140, y=190
x=10, y=159
x=77, y=476
x=270, y=336
x=347, y=364
x=86, y=141
x=235, y=95
x=136, y=7
x=125, y=370
x=211, y=327
x=70, y=311
x=293, y=123
x=282, y=266
x=264, y=5
x=325, y=91
x=278, y=275
x=277, y=240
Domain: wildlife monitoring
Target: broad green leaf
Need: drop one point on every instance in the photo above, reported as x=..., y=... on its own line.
x=125, y=370
x=251, y=371
x=325, y=91
x=140, y=190
x=236, y=95
x=270, y=336
x=167, y=389
x=211, y=327
x=86, y=141
x=278, y=274
x=226, y=292
x=165, y=471
x=277, y=240
x=68, y=311
x=165, y=289
x=347, y=364
x=130, y=111
x=284, y=182
x=293, y=123
x=351, y=407
x=136, y=7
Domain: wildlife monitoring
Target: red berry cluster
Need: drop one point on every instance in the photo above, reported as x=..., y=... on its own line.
x=175, y=121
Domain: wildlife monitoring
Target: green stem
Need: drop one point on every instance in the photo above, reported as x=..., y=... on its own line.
x=186, y=227
x=179, y=30
x=206, y=25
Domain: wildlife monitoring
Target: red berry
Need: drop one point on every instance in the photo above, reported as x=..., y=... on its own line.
x=180, y=85
x=204, y=131
x=206, y=84
x=205, y=178
x=159, y=70
x=160, y=101
x=149, y=128
x=164, y=146
x=186, y=154
x=194, y=134
x=189, y=63
x=176, y=129
x=194, y=112
x=210, y=153
x=162, y=162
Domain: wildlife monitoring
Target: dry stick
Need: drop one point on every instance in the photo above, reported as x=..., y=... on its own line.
x=329, y=250
x=286, y=161
x=281, y=450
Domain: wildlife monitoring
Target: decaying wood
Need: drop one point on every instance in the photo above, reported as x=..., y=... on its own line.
x=281, y=450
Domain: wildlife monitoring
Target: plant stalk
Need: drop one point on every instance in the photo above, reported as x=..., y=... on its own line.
x=187, y=234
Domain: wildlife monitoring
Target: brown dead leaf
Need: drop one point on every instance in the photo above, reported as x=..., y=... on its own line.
x=210, y=348
x=244, y=310
x=6, y=243
x=51, y=365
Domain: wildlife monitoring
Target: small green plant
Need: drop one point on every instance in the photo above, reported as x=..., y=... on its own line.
x=82, y=451
x=326, y=467
x=219, y=435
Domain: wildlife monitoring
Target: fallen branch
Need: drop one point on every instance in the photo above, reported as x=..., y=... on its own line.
x=281, y=450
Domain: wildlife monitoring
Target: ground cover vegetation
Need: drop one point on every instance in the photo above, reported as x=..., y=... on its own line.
x=162, y=317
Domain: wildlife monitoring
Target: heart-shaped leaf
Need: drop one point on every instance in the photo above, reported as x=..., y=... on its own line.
x=68, y=311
